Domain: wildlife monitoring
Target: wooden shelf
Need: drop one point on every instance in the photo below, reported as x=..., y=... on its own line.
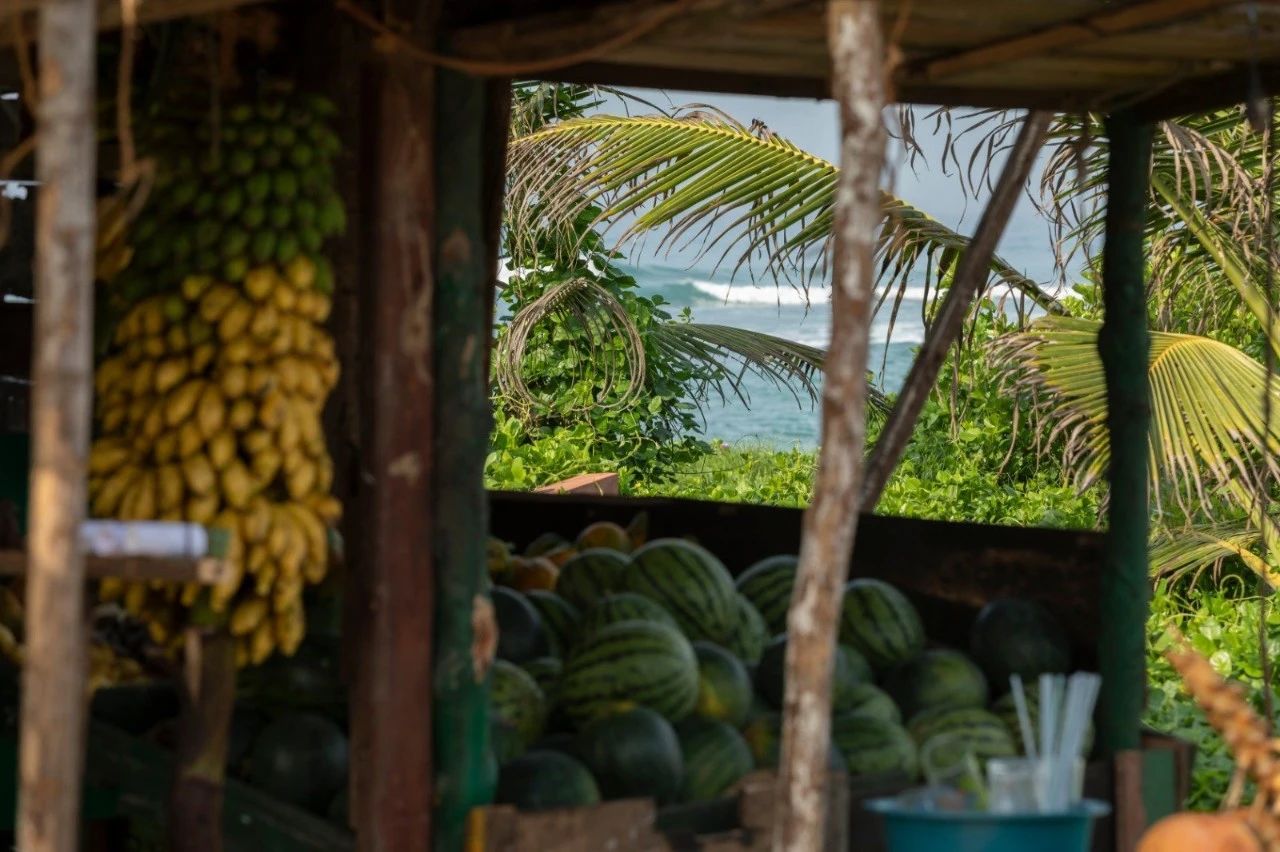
x=207, y=570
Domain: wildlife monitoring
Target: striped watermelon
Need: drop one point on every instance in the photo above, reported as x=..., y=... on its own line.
x=521, y=634
x=724, y=685
x=623, y=606
x=633, y=755
x=591, y=575
x=517, y=701
x=982, y=733
x=506, y=741
x=873, y=746
x=749, y=634
x=560, y=619
x=690, y=582
x=867, y=699
x=880, y=623
x=546, y=671
x=542, y=780
x=768, y=585
x=1020, y=637
x=937, y=678
x=849, y=670
x=627, y=664
x=715, y=758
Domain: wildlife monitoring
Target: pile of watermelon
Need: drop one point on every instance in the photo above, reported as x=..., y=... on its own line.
x=631, y=668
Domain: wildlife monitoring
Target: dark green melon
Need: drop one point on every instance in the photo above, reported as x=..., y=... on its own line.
x=878, y=621
x=749, y=634
x=975, y=730
x=541, y=780
x=872, y=746
x=1018, y=637
x=633, y=754
x=690, y=583
x=937, y=678
x=623, y=606
x=506, y=741
x=632, y=663
x=768, y=585
x=724, y=684
x=763, y=734
x=715, y=758
x=868, y=699
x=590, y=575
x=300, y=759
x=560, y=619
x=546, y=672
x=521, y=636
x=849, y=670
x=517, y=701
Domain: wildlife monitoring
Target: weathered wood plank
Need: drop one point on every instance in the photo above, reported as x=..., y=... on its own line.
x=585, y=483
x=830, y=523
x=53, y=680
x=207, y=570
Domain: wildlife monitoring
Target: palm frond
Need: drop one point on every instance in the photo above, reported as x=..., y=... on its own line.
x=1177, y=554
x=744, y=197
x=1206, y=405
x=733, y=353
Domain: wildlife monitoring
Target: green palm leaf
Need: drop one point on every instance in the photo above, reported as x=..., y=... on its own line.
x=1185, y=553
x=744, y=197
x=1206, y=405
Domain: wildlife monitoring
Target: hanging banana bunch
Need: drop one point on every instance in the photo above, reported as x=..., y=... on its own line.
x=208, y=403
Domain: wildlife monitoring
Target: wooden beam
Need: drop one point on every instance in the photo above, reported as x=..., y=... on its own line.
x=858, y=66
x=51, y=759
x=108, y=15
x=1113, y=21
x=1124, y=344
x=971, y=275
x=1194, y=96
x=391, y=585
x=206, y=571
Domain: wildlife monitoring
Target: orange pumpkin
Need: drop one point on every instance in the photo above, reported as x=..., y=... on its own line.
x=605, y=534
x=537, y=573
x=1197, y=832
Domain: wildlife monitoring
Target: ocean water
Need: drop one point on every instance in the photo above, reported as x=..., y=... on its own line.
x=775, y=416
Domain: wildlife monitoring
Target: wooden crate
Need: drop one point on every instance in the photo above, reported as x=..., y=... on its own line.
x=742, y=822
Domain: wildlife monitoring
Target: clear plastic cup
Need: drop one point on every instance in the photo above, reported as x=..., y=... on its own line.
x=1011, y=785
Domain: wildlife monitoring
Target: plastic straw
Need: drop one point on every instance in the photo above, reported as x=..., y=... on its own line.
x=1024, y=717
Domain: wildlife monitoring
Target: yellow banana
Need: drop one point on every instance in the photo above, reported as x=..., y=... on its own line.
x=222, y=450
x=327, y=507
x=237, y=485
x=259, y=282
x=289, y=435
x=110, y=373
x=262, y=643
x=285, y=297
x=168, y=373
x=153, y=347
x=153, y=424
x=198, y=474
x=235, y=321
x=301, y=480
x=266, y=465
x=142, y=378
x=179, y=405
x=282, y=342
x=153, y=318
x=241, y=415
x=255, y=522
x=265, y=322
x=234, y=381
x=193, y=286
x=107, y=455
x=190, y=439
x=301, y=272
x=201, y=509
x=257, y=441
x=211, y=411
x=311, y=382
x=202, y=356
x=110, y=589
x=246, y=616
x=170, y=488
x=176, y=340
x=113, y=417
x=261, y=379
x=272, y=410
x=238, y=351
x=107, y=501
x=215, y=302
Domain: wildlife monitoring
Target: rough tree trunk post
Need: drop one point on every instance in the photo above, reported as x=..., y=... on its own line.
x=466, y=634
x=1124, y=344
x=391, y=610
x=971, y=274
x=53, y=685
x=208, y=694
x=858, y=71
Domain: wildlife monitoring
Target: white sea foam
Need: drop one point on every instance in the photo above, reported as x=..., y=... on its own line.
x=746, y=293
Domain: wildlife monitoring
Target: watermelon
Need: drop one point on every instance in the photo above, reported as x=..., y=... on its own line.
x=507, y=742
x=768, y=584
x=517, y=701
x=880, y=623
x=539, y=780
x=749, y=634
x=691, y=583
x=520, y=633
x=623, y=606
x=633, y=754
x=724, y=685
x=873, y=746
x=867, y=699
x=546, y=672
x=560, y=619
x=1018, y=637
x=300, y=759
x=591, y=575
x=1008, y=713
x=715, y=758
x=936, y=678
x=849, y=670
x=982, y=733
x=631, y=663
x=764, y=736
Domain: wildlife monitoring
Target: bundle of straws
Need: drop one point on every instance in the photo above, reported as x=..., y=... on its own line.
x=1066, y=707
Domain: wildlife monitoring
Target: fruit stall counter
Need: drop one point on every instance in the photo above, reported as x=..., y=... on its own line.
x=680, y=606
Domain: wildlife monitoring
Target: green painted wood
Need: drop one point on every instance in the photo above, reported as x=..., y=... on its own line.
x=465, y=766
x=1124, y=344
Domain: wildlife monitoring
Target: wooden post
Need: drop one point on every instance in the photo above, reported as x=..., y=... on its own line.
x=858, y=59
x=53, y=682
x=391, y=584
x=208, y=694
x=466, y=634
x=971, y=273
x=1124, y=345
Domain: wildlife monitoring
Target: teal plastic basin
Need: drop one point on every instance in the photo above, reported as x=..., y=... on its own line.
x=908, y=829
